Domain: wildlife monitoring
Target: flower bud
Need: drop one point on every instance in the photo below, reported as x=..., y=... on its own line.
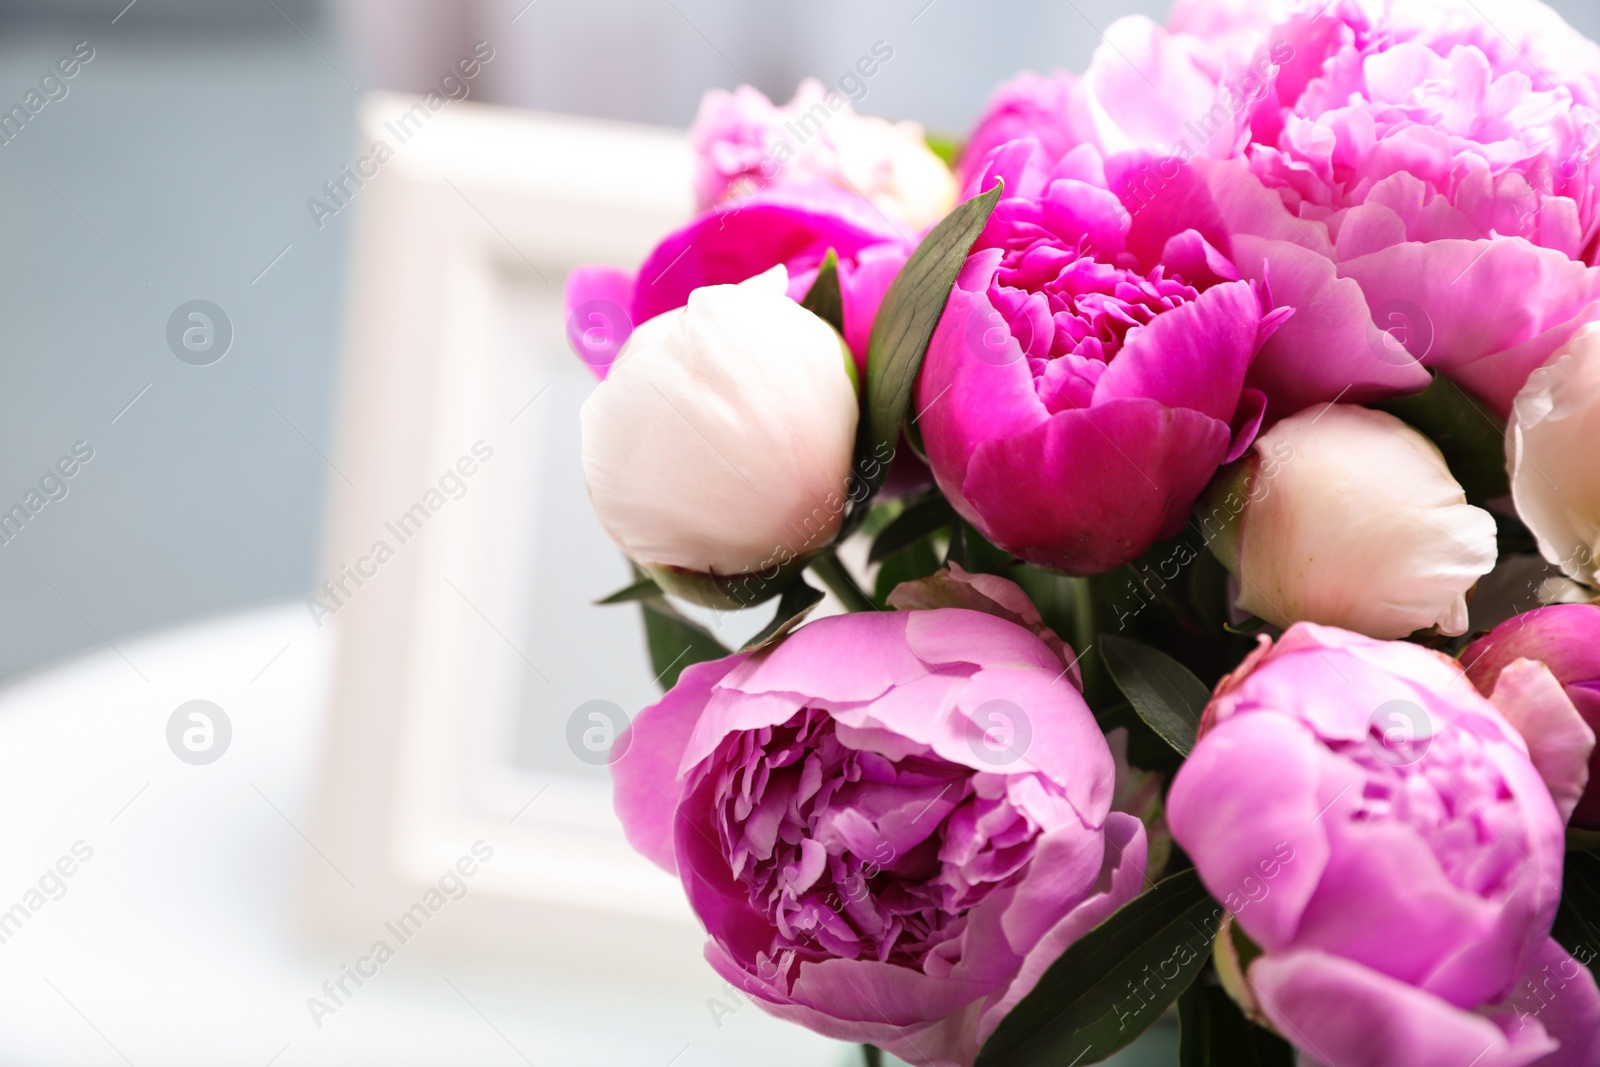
x=1552, y=441
x=720, y=442
x=1565, y=638
x=1348, y=517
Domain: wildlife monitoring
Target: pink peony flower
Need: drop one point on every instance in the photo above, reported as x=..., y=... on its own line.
x=1076, y=398
x=1409, y=924
x=890, y=824
x=792, y=226
x=1566, y=639
x=743, y=142
x=1418, y=189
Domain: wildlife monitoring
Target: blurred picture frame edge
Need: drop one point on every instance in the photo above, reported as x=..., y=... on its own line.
x=407, y=790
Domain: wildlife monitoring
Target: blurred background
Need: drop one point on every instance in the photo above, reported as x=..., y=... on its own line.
x=177, y=167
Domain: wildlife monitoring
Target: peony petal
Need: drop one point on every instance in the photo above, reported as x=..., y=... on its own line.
x=1194, y=356
x=1345, y=1014
x=1240, y=829
x=1479, y=337
x=1104, y=482
x=1120, y=880
x=645, y=776
x=598, y=303
x=1560, y=743
x=1329, y=348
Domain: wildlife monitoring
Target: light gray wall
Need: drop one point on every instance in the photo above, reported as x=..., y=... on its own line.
x=178, y=167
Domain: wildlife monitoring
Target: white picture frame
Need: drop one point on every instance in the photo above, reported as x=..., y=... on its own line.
x=475, y=202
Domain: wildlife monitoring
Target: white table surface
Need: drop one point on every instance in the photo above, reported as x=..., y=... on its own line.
x=177, y=941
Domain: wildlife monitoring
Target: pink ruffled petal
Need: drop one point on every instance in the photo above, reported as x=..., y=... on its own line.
x=1344, y=1014
x=645, y=776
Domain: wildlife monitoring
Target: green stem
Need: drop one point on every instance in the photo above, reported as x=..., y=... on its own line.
x=1086, y=632
x=826, y=566
x=873, y=1055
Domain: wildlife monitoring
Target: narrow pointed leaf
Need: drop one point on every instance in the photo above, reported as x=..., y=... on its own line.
x=824, y=299
x=643, y=589
x=793, y=607
x=906, y=321
x=1213, y=1032
x=676, y=642
x=1163, y=691
x=1109, y=986
x=932, y=512
x=1577, y=925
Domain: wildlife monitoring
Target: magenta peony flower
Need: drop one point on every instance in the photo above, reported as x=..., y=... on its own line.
x=889, y=824
x=1379, y=832
x=1566, y=639
x=794, y=226
x=1051, y=110
x=1077, y=398
x=1418, y=189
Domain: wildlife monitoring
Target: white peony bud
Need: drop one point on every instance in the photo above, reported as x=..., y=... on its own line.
x=1348, y=517
x=1553, y=454
x=721, y=440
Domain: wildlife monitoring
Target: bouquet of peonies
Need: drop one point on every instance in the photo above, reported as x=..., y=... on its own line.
x=1205, y=464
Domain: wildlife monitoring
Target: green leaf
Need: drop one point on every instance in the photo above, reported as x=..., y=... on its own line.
x=1468, y=432
x=824, y=299
x=793, y=607
x=1160, y=689
x=945, y=146
x=1577, y=925
x=917, y=562
x=905, y=324
x=1213, y=1032
x=840, y=582
x=1110, y=985
x=676, y=642
x=643, y=589
x=920, y=518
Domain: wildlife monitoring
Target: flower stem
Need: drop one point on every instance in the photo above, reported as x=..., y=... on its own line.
x=826, y=566
x=873, y=1055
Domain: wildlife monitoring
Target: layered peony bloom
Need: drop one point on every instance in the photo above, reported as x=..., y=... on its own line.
x=1348, y=517
x=1565, y=638
x=1419, y=179
x=1552, y=442
x=1076, y=398
x=889, y=824
x=743, y=142
x=1418, y=191
x=794, y=227
x=720, y=443
x=1409, y=926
